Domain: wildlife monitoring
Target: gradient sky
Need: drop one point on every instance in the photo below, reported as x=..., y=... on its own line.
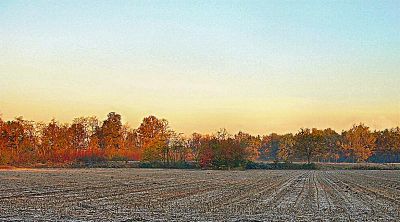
x=256, y=66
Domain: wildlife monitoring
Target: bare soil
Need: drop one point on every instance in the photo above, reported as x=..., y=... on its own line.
x=197, y=195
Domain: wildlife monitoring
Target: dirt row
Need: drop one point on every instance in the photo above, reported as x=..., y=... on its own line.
x=195, y=195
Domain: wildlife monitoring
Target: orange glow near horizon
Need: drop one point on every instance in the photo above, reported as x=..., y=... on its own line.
x=257, y=67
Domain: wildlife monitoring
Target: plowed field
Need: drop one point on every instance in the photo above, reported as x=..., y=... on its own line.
x=195, y=195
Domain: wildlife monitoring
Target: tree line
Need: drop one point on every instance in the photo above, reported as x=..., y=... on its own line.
x=87, y=138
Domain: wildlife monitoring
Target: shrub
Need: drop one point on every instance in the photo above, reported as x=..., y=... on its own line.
x=176, y=165
x=91, y=159
x=280, y=166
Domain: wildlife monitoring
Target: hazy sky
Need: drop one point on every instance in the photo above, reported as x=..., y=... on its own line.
x=256, y=66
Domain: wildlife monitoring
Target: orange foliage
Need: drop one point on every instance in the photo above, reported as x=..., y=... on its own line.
x=26, y=142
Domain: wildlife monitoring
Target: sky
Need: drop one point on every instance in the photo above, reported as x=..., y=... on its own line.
x=255, y=66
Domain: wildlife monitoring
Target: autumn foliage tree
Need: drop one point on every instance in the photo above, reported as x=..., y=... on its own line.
x=387, y=145
x=24, y=142
x=250, y=144
x=224, y=150
x=111, y=134
x=308, y=143
x=286, y=148
x=358, y=143
x=194, y=145
x=270, y=147
x=18, y=141
x=153, y=136
x=330, y=150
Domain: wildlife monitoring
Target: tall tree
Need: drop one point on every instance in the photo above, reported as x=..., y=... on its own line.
x=179, y=148
x=78, y=136
x=286, y=147
x=308, y=143
x=18, y=141
x=270, y=147
x=251, y=144
x=111, y=132
x=90, y=125
x=359, y=143
x=194, y=144
x=206, y=155
x=55, y=141
x=387, y=145
x=330, y=149
x=153, y=135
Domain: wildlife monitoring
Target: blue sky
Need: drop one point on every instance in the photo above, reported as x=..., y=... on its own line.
x=257, y=66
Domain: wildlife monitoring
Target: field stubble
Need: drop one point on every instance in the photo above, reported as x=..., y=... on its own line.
x=196, y=195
